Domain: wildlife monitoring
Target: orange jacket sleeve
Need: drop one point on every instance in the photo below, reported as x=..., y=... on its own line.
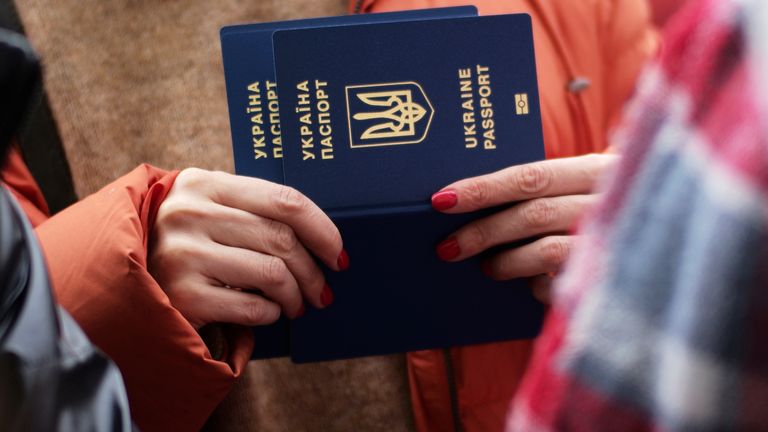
x=97, y=258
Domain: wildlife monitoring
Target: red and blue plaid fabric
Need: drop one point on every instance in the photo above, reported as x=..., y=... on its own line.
x=660, y=319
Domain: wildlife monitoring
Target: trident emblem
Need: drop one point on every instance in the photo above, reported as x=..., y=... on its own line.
x=404, y=113
x=403, y=117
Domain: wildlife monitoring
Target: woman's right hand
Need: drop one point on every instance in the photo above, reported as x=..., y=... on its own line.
x=236, y=249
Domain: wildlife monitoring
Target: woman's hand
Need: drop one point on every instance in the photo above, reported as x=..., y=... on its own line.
x=237, y=249
x=549, y=197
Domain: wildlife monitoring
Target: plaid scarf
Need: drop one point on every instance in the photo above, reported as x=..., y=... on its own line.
x=660, y=320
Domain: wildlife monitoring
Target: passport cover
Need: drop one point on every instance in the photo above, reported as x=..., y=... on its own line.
x=251, y=89
x=254, y=117
x=375, y=118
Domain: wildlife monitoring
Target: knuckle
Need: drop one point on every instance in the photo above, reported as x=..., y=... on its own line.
x=284, y=240
x=534, y=178
x=178, y=212
x=476, y=193
x=538, y=213
x=274, y=271
x=554, y=252
x=289, y=201
x=261, y=312
x=192, y=177
x=477, y=237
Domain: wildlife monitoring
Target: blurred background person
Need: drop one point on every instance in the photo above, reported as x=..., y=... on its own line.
x=658, y=321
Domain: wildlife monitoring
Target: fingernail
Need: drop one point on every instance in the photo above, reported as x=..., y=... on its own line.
x=343, y=260
x=448, y=249
x=301, y=311
x=444, y=200
x=326, y=298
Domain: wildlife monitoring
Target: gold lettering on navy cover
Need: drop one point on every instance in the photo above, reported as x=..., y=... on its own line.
x=388, y=114
x=316, y=130
x=259, y=124
x=479, y=128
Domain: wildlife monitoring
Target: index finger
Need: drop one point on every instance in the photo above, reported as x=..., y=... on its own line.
x=555, y=177
x=285, y=204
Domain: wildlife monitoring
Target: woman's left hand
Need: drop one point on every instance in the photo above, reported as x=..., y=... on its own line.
x=548, y=197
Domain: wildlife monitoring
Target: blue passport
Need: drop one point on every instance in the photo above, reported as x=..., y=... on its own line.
x=249, y=72
x=372, y=118
x=375, y=118
x=254, y=115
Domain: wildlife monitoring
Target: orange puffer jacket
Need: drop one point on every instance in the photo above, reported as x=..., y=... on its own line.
x=96, y=252
x=588, y=55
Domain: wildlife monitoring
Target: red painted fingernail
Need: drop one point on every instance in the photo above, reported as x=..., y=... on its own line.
x=444, y=200
x=326, y=298
x=343, y=260
x=448, y=249
x=301, y=311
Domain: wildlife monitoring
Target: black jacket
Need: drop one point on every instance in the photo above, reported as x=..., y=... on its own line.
x=51, y=376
